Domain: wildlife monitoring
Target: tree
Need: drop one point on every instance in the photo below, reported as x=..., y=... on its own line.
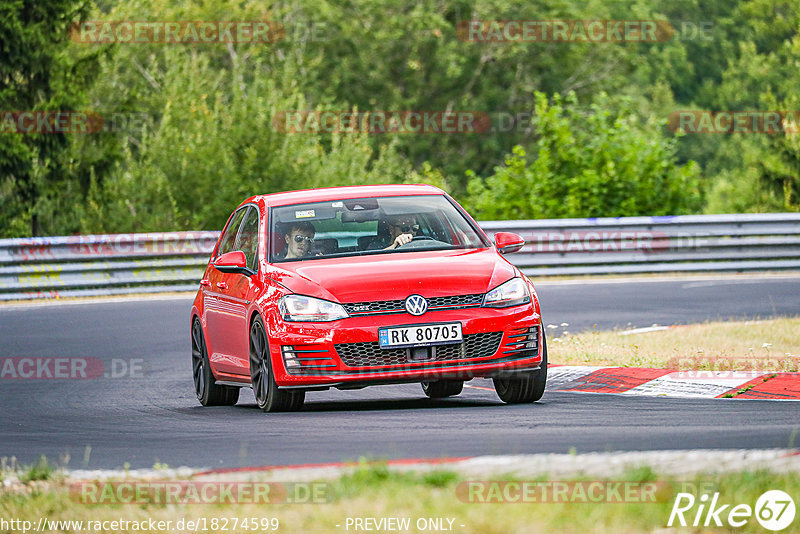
x=213, y=142
x=759, y=171
x=38, y=75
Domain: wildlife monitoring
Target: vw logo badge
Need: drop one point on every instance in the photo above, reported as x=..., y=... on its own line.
x=416, y=305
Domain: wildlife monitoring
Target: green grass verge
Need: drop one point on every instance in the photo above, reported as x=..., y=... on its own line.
x=768, y=346
x=375, y=491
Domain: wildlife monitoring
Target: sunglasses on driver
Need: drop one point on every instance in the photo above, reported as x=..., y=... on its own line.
x=407, y=228
x=300, y=238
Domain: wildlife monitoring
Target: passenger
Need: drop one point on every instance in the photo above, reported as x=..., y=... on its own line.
x=402, y=229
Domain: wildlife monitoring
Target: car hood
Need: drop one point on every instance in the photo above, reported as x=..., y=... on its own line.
x=397, y=275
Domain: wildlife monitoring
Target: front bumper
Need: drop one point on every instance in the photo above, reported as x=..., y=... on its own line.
x=346, y=353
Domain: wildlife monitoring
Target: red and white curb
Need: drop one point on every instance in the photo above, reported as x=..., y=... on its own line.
x=670, y=383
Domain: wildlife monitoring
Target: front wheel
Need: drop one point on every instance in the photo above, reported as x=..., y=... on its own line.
x=528, y=387
x=208, y=392
x=438, y=389
x=268, y=397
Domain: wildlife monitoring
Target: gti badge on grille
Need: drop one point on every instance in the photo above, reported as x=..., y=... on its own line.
x=416, y=305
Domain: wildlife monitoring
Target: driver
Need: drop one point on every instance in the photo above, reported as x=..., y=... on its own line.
x=299, y=238
x=402, y=229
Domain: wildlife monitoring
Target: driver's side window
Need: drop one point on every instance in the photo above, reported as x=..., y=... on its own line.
x=247, y=241
x=228, y=241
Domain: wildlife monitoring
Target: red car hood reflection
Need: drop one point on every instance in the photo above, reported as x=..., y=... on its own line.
x=397, y=275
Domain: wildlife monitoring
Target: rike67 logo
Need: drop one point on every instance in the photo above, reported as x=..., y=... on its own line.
x=774, y=510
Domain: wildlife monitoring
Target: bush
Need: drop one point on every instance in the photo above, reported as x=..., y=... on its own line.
x=588, y=163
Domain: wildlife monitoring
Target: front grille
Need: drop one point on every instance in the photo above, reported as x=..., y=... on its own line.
x=482, y=345
x=377, y=307
x=456, y=301
x=370, y=354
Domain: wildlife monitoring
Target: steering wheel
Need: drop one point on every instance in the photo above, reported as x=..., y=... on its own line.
x=418, y=238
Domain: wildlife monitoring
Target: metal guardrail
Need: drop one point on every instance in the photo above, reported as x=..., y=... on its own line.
x=686, y=243
x=53, y=267
x=92, y=265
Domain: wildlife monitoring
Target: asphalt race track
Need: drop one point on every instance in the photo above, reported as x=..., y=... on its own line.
x=153, y=416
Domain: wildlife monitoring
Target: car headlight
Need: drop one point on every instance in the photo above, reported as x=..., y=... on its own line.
x=302, y=308
x=511, y=293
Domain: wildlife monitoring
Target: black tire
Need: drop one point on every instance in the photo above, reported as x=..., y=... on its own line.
x=268, y=397
x=528, y=387
x=438, y=389
x=208, y=392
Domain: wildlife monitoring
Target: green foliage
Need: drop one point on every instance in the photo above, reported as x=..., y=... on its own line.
x=36, y=173
x=399, y=57
x=212, y=141
x=587, y=163
x=596, y=145
x=376, y=477
x=761, y=172
x=439, y=478
x=207, y=155
x=41, y=470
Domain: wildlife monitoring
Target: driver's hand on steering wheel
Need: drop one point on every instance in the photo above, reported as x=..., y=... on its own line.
x=401, y=240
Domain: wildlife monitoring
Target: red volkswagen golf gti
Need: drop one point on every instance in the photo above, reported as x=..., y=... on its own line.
x=350, y=287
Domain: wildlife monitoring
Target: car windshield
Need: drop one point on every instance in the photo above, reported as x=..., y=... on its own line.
x=360, y=226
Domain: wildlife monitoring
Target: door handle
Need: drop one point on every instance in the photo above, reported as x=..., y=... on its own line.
x=205, y=282
x=222, y=285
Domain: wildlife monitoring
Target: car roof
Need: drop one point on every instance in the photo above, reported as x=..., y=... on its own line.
x=342, y=193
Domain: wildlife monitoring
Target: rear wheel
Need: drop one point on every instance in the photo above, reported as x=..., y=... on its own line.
x=527, y=387
x=438, y=389
x=268, y=397
x=208, y=392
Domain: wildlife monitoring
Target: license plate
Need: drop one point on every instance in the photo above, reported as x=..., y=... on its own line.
x=421, y=335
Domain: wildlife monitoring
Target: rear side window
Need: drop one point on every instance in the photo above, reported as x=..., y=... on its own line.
x=228, y=240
